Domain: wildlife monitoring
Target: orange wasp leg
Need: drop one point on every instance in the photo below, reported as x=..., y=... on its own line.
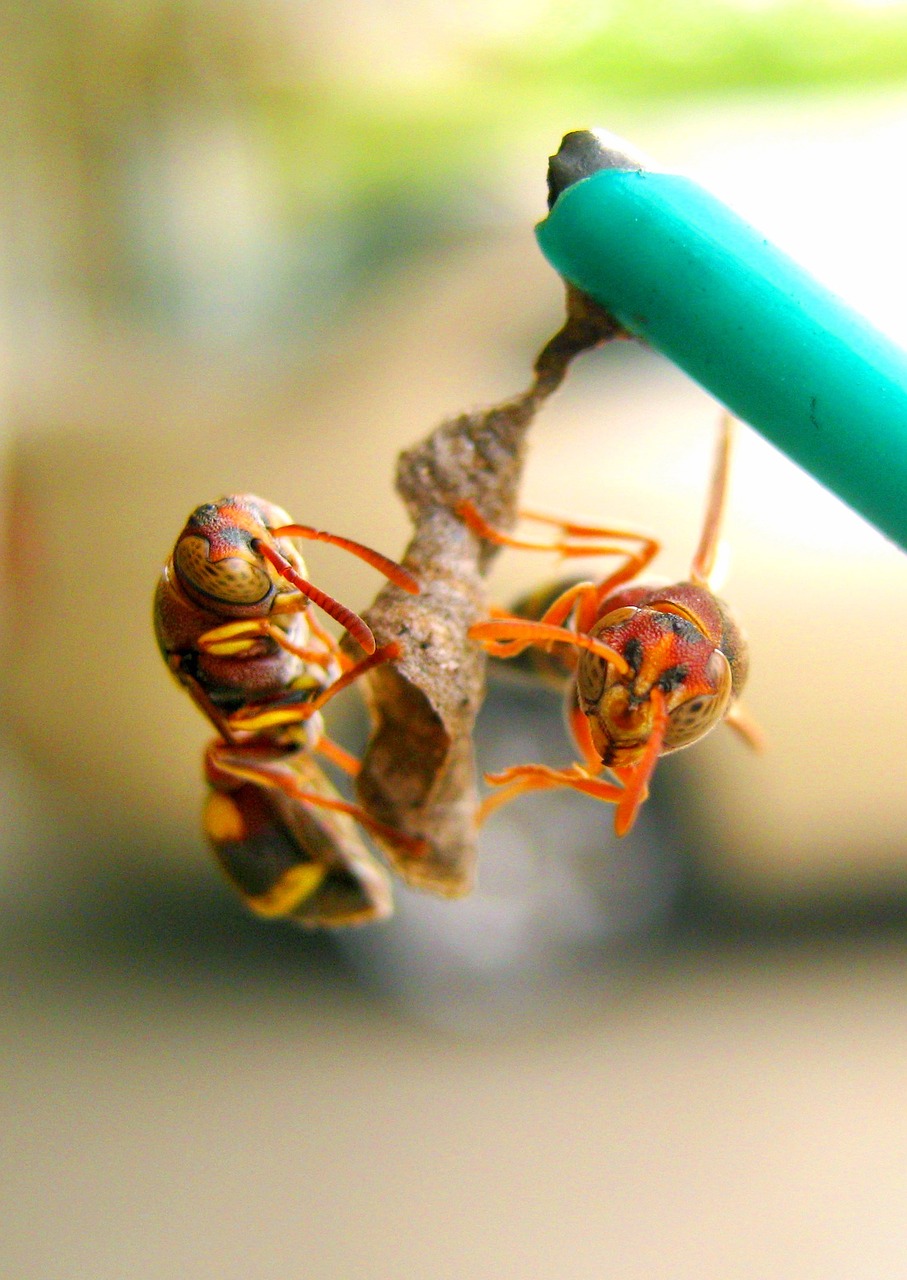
x=629, y=796
x=745, y=727
x=635, y=561
x=504, y=637
x=245, y=765
x=254, y=718
x=582, y=735
x=234, y=639
x=330, y=642
x=539, y=777
x=584, y=597
x=338, y=756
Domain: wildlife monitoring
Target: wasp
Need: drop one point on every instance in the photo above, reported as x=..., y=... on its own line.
x=234, y=619
x=649, y=669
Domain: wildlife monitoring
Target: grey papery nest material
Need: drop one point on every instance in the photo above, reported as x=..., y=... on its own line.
x=418, y=773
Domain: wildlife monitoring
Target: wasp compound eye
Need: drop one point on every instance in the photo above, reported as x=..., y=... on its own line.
x=232, y=579
x=691, y=720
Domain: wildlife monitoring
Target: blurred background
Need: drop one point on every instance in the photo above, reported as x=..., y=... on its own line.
x=264, y=246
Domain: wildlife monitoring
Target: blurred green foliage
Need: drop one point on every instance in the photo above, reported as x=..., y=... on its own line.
x=571, y=62
x=662, y=48
x=190, y=158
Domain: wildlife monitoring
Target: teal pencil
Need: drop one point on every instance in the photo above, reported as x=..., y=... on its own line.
x=675, y=267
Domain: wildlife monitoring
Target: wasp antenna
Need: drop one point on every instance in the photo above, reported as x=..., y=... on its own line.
x=392, y=571
x=707, y=552
x=349, y=620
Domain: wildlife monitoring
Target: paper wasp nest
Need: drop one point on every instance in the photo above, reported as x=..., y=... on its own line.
x=418, y=773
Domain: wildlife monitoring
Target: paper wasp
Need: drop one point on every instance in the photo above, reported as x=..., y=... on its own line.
x=650, y=669
x=234, y=620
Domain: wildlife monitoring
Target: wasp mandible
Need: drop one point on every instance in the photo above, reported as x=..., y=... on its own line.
x=234, y=620
x=652, y=669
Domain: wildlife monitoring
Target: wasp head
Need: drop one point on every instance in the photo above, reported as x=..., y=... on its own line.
x=218, y=559
x=678, y=640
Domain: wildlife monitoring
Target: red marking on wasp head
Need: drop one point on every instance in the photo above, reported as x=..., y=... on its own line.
x=229, y=523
